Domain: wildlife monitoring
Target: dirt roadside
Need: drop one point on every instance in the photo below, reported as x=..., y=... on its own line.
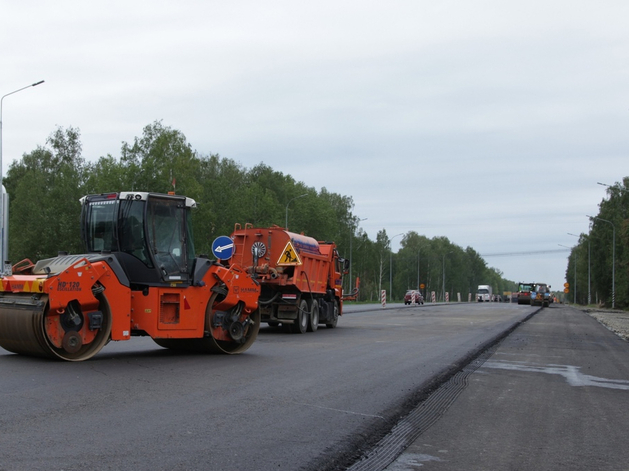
x=616, y=321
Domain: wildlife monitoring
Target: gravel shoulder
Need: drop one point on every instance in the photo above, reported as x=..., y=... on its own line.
x=614, y=320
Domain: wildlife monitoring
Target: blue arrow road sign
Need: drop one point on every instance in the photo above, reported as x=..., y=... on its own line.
x=223, y=247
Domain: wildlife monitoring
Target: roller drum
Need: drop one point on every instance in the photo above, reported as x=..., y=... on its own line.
x=23, y=329
x=21, y=325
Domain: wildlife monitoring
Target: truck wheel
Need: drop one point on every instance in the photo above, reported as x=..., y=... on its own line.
x=313, y=325
x=335, y=316
x=301, y=323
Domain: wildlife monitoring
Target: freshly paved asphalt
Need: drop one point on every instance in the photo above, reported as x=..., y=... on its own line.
x=554, y=394
x=313, y=402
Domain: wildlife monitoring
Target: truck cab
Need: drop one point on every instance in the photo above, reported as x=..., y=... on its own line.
x=484, y=294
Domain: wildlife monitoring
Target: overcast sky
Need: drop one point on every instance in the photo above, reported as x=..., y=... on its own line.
x=488, y=122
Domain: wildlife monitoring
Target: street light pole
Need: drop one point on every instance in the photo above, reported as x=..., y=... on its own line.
x=443, y=272
x=4, y=239
x=289, y=201
x=613, y=258
x=418, y=252
x=351, y=237
x=391, y=265
x=589, y=266
x=575, y=270
x=575, y=277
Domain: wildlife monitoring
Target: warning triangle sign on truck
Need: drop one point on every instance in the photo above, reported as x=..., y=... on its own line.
x=289, y=256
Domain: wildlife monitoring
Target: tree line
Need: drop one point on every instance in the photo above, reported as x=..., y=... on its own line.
x=597, y=266
x=45, y=186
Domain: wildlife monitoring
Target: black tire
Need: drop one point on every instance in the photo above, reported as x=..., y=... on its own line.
x=313, y=316
x=301, y=322
x=210, y=344
x=335, y=316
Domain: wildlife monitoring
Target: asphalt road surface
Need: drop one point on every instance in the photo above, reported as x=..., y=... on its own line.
x=552, y=395
x=316, y=401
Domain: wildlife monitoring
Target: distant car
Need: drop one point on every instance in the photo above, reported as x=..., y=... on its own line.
x=540, y=295
x=408, y=297
x=524, y=293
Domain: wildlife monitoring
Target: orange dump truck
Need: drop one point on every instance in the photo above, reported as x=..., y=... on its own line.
x=301, y=279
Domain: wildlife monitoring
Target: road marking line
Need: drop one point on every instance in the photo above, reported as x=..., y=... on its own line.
x=337, y=410
x=569, y=372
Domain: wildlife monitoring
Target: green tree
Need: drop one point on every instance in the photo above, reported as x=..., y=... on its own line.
x=608, y=243
x=46, y=184
x=45, y=187
x=160, y=160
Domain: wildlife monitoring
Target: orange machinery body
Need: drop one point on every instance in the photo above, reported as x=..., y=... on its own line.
x=174, y=312
x=291, y=268
x=139, y=275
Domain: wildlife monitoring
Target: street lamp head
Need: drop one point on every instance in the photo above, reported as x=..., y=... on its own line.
x=601, y=219
x=391, y=239
x=38, y=83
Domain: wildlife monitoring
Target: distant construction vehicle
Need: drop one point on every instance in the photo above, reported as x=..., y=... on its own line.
x=524, y=292
x=540, y=295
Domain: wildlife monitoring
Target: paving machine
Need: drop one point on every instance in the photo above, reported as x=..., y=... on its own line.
x=139, y=276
